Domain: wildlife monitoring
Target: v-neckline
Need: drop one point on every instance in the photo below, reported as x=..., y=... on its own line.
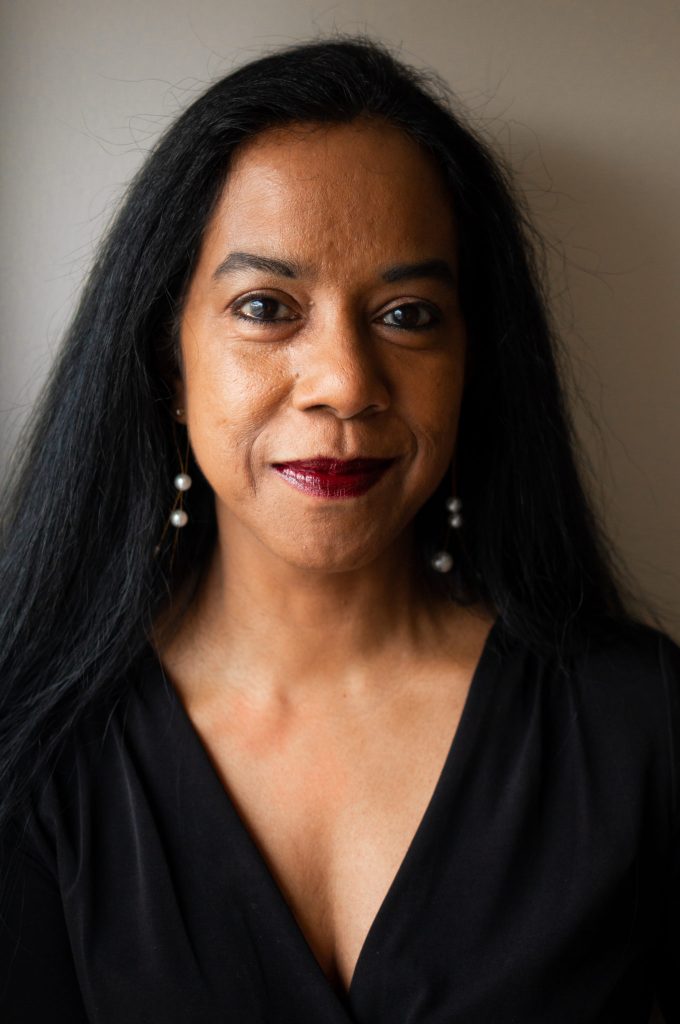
x=476, y=700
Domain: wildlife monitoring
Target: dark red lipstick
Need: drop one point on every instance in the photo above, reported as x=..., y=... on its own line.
x=333, y=478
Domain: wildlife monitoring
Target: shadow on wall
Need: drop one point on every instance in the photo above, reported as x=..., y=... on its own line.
x=612, y=253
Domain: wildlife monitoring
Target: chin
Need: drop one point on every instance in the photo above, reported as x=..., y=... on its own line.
x=332, y=556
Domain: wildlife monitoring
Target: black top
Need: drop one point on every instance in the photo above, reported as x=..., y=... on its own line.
x=542, y=885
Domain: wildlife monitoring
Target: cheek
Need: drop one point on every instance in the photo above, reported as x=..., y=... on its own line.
x=433, y=405
x=230, y=402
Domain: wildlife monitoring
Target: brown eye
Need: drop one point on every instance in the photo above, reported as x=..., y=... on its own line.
x=263, y=309
x=412, y=316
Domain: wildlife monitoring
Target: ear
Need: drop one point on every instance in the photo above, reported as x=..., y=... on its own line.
x=170, y=375
x=178, y=401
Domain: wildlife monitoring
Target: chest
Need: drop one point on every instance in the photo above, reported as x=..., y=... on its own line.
x=333, y=805
x=535, y=890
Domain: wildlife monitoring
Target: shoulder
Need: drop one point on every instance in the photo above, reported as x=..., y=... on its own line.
x=612, y=705
x=626, y=687
x=627, y=667
x=612, y=664
x=91, y=776
x=599, y=730
x=629, y=638
x=630, y=661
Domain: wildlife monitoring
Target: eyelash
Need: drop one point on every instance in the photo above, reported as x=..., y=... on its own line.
x=257, y=320
x=435, y=315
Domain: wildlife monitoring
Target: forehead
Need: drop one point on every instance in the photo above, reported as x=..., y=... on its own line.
x=334, y=194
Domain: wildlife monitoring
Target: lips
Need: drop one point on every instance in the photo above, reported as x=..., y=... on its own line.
x=333, y=478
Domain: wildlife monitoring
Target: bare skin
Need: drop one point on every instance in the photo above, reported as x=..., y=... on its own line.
x=325, y=684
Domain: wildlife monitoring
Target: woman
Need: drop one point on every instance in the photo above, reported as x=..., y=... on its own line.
x=321, y=699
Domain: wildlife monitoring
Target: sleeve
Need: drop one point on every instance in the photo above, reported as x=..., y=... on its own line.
x=37, y=976
x=667, y=980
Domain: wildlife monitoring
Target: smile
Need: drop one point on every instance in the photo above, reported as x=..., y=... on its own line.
x=333, y=478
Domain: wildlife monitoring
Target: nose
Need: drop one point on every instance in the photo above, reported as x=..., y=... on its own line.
x=339, y=370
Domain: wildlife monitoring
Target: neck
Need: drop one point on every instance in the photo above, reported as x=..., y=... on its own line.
x=275, y=630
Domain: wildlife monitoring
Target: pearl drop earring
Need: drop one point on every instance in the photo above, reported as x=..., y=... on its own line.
x=442, y=560
x=182, y=481
x=454, y=505
x=178, y=516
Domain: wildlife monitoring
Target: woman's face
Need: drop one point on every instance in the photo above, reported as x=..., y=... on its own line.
x=322, y=323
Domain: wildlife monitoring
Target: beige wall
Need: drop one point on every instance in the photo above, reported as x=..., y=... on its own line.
x=582, y=95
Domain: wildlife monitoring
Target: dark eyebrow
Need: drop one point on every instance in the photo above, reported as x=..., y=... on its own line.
x=435, y=268
x=249, y=261
x=439, y=269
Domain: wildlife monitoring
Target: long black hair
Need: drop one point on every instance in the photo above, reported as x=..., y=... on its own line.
x=86, y=561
